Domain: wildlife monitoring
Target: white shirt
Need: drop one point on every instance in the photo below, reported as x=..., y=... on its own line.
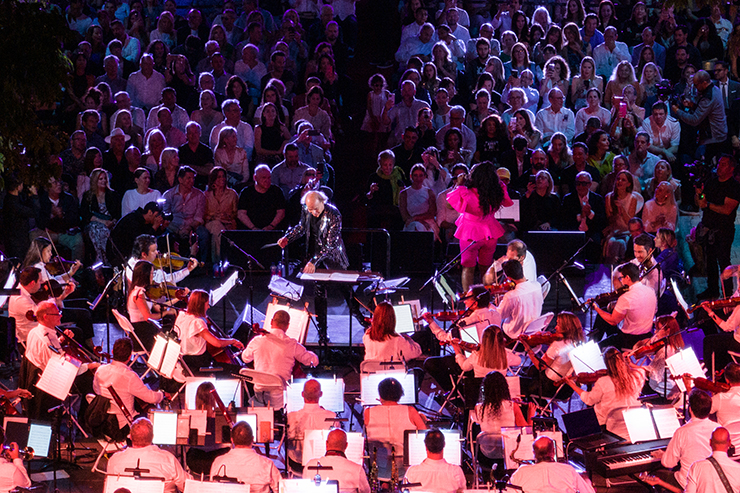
x=638, y=305
x=145, y=93
x=607, y=60
x=134, y=314
x=248, y=466
x=127, y=384
x=436, y=476
x=180, y=118
x=582, y=117
x=549, y=122
x=472, y=362
x=550, y=477
x=37, y=347
x=188, y=327
x=489, y=423
x=727, y=405
x=387, y=423
x=160, y=463
x=559, y=352
x=689, y=444
x=17, y=309
x=351, y=476
x=13, y=474
x=311, y=417
x=607, y=404
x=732, y=323
x=158, y=275
x=665, y=137
x=703, y=476
x=133, y=200
x=529, y=266
x=244, y=136
x=396, y=348
x=519, y=307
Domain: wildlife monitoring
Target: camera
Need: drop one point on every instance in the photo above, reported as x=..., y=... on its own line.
x=700, y=171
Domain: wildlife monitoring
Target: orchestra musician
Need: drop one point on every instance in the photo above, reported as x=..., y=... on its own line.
x=39, y=255
x=634, y=309
x=276, y=353
x=195, y=336
x=127, y=384
x=515, y=250
x=717, y=345
x=555, y=363
x=200, y=459
x=381, y=341
x=643, y=248
x=435, y=473
x=351, y=476
x=311, y=417
x=13, y=473
x=491, y=355
x=548, y=475
x=521, y=305
x=39, y=351
x=145, y=248
x=496, y=409
x=727, y=404
x=321, y=224
x=620, y=388
x=690, y=442
x=666, y=326
x=142, y=453
x=140, y=308
x=29, y=282
x=245, y=464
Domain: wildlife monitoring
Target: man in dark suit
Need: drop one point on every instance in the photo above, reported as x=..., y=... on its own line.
x=730, y=90
x=59, y=217
x=517, y=160
x=195, y=27
x=408, y=152
x=583, y=210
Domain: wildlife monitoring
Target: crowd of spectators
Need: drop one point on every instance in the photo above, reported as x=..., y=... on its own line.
x=589, y=112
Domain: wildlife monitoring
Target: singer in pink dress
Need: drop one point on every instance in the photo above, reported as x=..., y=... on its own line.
x=477, y=200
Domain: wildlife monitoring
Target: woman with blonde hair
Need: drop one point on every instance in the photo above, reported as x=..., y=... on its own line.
x=621, y=206
x=623, y=75
x=491, y=355
x=584, y=82
x=381, y=341
x=166, y=177
x=221, y=205
x=100, y=209
x=232, y=158
x=619, y=389
x=661, y=211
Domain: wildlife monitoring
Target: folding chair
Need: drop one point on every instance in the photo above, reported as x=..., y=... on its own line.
x=142, y=354
x=545, y=285
x=107, y=444
x=266, y=382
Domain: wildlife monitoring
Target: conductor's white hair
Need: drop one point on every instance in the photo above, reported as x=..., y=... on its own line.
x=321, y=196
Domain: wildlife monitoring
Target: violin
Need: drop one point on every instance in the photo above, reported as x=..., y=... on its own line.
x=541, y=338
x=58, y=266
x=716, y=304
x=502, y=288
x=158, y=291
x=449, y=315
x=49, y=289
x=467, y=346
x=168, y=260
x=647, y=349
x=604, y=298
x=704, y=384
x=586, y=378
x=8, y=406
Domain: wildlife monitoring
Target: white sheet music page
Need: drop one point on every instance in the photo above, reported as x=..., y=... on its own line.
x=305, y=486
x=316, y=276
x=157, y=353
x=344, y=277
x=171, y=355
x=314, y=445
x=58, y=376
x=113, y=483
x=332, y=397
x=587, y=358
x=193, y=486
x=666, y=421
x=198, y=419
x=684, y=361
x=369, y=387
x=523, y=451
x=418, y=452
x=639, y=424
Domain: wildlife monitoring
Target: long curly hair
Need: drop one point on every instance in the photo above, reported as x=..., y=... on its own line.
x=494, y=392
x=484, y=179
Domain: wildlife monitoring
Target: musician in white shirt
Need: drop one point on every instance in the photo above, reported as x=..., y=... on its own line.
x=245, y=464
x=515, y=250
x=435, y=474
x=13, y=473
x=19, y=306
x=351, y=476
x=311, y=417
x=381, y=341
x=276, y=353
x=546, y=475
x=143, y=454
x=522, y=304
x=145, y=248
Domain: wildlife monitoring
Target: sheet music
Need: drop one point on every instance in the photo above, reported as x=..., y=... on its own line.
x=639, y=424
x=587, y=358
x=193, y=486
x=171, y=356
x=511, y=212
x=217, y=294
x=265, y=423
x=524, y=452
x=165, y=428
x=316, y=276
x=417, y=451
x=298, y=328
x=683, y=362
x=39, y=437
x=157, y=353
x=314, y=445
x=514, y=386
x=112, y=483
x=331, y=388
x=58, y=376
x=666, y=421
x=369, y=387
x=250, y=419
x=404, y=319
x=198, y=419
x=306, y=486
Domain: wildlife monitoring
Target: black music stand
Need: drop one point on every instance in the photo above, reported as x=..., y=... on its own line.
x=106, y=294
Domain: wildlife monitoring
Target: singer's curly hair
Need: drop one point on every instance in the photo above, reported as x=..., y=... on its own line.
x=484, y=179
x=493, y=394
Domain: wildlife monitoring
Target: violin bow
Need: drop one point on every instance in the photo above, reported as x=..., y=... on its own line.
x=58, y=257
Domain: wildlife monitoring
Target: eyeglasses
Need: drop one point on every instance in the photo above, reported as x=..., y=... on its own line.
x=620, y=277
x=582, y=183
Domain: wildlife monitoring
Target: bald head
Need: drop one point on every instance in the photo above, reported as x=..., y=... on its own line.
x=544, y=450
x=312, y=392
x=336, y=441
x=720, y=440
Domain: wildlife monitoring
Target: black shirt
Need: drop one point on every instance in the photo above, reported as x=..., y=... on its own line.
x=716, y=192
x=261, y=207
x=125, y=232
x=200, y=157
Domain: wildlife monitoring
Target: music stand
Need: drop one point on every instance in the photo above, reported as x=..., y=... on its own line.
x=106, y=294
x=222, y=291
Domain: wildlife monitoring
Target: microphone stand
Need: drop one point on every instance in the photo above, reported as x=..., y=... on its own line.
x=250, y=259
x=448, y=266
x=561, y=278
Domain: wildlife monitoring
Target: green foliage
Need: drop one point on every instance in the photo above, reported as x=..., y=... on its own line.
x=33, y=72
